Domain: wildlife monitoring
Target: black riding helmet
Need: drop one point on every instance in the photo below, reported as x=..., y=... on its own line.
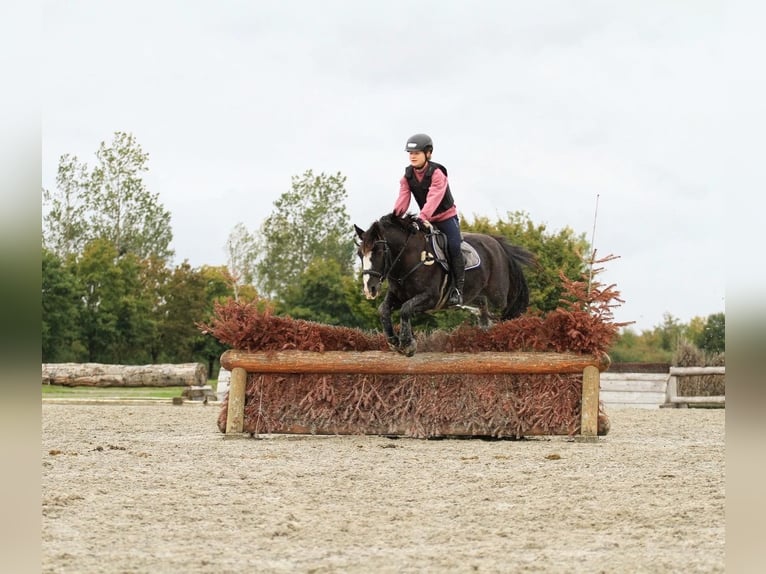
x=420, y=142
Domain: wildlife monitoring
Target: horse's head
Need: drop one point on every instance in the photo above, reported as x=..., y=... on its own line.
x=378, y=249
x=373, y=252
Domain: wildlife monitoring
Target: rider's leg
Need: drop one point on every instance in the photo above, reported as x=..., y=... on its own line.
x=457, y=264
x=451, y=228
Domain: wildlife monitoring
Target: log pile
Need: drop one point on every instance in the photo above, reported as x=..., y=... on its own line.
x=105, y=375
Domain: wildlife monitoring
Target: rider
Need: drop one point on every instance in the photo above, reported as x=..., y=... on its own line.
x=426, y=181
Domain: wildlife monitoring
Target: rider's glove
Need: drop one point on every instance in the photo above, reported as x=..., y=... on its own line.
x=424, y=224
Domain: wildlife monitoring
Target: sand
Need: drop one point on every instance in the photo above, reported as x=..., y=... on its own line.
x=157, y=488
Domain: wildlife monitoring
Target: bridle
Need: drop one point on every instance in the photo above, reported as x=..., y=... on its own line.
x=389, y=263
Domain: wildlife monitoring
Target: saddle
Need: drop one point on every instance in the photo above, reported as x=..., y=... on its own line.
x=438, y=243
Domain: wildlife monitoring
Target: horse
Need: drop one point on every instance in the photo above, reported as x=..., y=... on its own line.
x=396, y=249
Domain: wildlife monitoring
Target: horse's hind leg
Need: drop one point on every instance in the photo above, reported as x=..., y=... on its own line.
x=485, y=321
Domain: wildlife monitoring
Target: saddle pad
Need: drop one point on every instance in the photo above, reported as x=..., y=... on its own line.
x=470, y=254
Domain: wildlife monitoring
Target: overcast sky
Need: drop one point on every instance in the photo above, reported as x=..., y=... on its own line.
x=538, y=106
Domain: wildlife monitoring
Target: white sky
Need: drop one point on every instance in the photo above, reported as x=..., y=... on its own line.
x=533, y=106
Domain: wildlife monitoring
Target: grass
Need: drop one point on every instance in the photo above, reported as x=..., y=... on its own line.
x=60, y=391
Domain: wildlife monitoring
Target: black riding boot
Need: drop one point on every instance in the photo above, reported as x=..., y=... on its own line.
x=457, y=268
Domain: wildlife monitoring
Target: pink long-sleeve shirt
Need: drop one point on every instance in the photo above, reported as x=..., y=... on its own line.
x=434, y=197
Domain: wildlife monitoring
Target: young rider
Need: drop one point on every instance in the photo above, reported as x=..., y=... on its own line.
x=426, y=181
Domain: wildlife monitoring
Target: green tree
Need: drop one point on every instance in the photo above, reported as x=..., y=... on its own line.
x=115, y=314
x=323, y=293
x=561, y=252
x=136, y=324
x=111, y=202
x=122, y=209
x=631, y=347
x=217, y=288
x=154, y=276
x=661, y=343
x=670, y=333
x=308, y=223
x=60, y=311
x=712, y=339
x=66, y=224
x=185, y=304
x=694, y=329
x=99, y=278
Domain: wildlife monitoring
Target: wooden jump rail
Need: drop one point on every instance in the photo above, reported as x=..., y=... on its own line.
x=240, y=363
x=673, y=400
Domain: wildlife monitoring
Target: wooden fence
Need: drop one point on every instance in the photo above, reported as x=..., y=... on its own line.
x=240, y=363
x=655, y=390
x=673, y=400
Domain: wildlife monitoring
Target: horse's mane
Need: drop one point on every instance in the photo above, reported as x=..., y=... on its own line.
x=391, y=220
x=404, y=221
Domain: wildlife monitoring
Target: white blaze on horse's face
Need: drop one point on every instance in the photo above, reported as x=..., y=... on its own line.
x=369, y=292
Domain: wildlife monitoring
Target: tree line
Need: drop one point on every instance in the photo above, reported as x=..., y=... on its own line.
x=111, y=294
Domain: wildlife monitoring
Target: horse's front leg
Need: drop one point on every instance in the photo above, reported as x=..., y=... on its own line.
x=389, y=304
x=418, y=304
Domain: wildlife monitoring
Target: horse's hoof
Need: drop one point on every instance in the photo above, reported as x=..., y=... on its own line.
x=393, y=343
x=408, y=350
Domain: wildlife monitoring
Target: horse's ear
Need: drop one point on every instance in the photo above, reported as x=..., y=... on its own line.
x=359, y=231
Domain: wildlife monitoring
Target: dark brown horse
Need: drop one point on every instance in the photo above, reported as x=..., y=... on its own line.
x=397, y=250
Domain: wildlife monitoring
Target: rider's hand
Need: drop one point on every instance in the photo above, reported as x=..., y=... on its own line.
x=424, y=224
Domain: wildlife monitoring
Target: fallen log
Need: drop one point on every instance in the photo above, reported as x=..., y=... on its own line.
x=103, y=375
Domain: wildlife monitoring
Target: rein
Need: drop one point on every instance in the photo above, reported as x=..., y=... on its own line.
x=388, y=264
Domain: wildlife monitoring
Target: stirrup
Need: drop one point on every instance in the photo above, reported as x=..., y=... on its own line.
x=455, y=298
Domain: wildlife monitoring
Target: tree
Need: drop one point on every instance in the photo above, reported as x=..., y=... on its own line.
x=644, y=348
x=663, y=342
x=671, y=332
x=115, y=316
x=217, y=288
x=110, y=203
x=99, y=279
x=136, y=323
x=241, y=250
x=185, y=304
x=60, y=311
x=65, y=225
x=713, y=337
x=324, y=294
x=308, y=223
x=122, y=209
x=154, y=277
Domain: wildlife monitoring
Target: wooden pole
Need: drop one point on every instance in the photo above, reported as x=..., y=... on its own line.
x=689, y=371
x=389, y=363
x=235, y=414
x=589, y=405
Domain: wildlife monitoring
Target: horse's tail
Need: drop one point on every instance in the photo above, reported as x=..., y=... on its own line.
x=518, y=290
